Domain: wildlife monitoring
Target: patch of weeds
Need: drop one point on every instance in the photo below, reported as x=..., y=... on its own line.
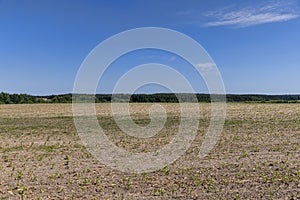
x=298, y=174
x=294, y=196
x=16, y=148
x=196, y=179
x=236, y=196
x=180, y=184
x=166, y=170
x=244, y=154
x=158, y=192
x=145, y=176
x=19, y=175
x=209, y=184
x=286, y=178
x=97, y=181
x=271, y=195
x=240, y=175
x=141, y=121
x=87, y=170
x=47, y=148
x=234, y=122
x=78, y=146
x=55, y=176
x=275, y=149
x=70, y=181
x=86, y=181
x=6, y=159
x=274, y=177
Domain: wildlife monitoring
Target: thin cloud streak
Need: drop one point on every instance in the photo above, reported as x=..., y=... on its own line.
x=206, y=65
x=277, y=12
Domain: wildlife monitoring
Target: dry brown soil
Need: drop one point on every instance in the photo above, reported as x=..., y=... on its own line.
x=257, y=156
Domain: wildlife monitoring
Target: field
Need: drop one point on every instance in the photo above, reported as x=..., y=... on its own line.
x=257, y=156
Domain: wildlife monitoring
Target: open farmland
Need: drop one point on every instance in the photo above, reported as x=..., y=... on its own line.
x=257, y=155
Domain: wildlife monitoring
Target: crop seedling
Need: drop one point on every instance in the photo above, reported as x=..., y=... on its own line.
x=127, y=182
x=158, y=192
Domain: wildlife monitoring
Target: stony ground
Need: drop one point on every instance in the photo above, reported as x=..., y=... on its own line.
x=257, y=156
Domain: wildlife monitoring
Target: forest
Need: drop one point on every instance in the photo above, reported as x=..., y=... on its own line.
x=6, y=98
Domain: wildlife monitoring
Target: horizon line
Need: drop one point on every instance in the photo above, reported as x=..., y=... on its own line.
x=58, y=94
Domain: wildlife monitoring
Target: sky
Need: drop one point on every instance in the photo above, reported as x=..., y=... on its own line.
x=255, y=44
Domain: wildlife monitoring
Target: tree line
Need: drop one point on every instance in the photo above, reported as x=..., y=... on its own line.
x=6, y=98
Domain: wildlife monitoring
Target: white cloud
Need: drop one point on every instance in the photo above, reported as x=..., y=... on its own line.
x=275, y=12
x=206, y=65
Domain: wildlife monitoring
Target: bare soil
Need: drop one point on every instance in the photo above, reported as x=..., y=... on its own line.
x=257, y=156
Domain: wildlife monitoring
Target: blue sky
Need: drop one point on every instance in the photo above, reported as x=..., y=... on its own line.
x=255, y=44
